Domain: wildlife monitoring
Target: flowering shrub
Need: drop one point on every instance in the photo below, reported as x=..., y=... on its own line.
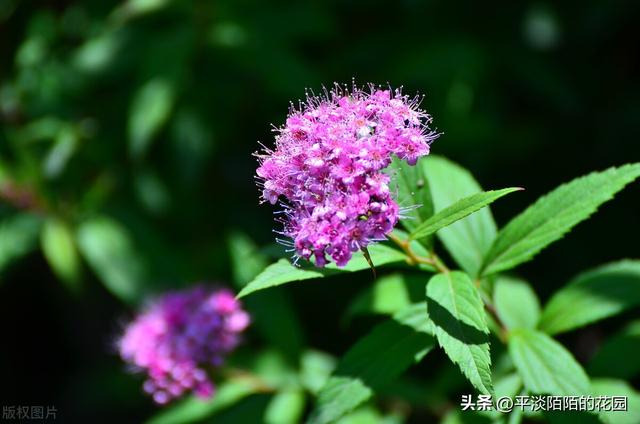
x=328, y=164
x=179, y=336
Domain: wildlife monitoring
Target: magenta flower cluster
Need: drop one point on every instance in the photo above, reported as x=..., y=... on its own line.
x=179, y=336
x=327, y=169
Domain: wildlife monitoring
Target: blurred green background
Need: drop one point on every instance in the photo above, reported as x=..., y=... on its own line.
x=127, y=131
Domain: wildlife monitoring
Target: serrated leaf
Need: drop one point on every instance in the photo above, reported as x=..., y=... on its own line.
x=592, y=296
x=516, y=302
x=412, y=192
x=460, y=209
x=283, y=271
x=18, y=236
x=375, y=360
x=109, y=250
x=286, y=407
x=60, y=251
x=457, y=312
x=545, y=366
x=553, y=215
x=620, y=389
x=625, y=344
x=469, y=239
x=150, y=109
x=194, y=409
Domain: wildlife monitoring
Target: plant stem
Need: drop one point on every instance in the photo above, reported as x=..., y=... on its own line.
x=434, y=261
x=239, y=374
x=415, y=259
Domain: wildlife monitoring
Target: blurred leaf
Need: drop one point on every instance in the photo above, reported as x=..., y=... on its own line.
x=283, y=271
x=134, y=8
x=469, y=239
x=151, y=191
x=150, y=109
x=413, y=192
x=456, y=416
x=191, y=144
x=18, y=236
x=315, y=369
x=109, y=250
x=272, y=311
x=246, y=259
x=286, y=407
x=193, y=409
x=545, y=366
x=618, y=388
x=32, y=51
x=592, y=296
x=460, y=209
x=457, y=312
x=98, y=54
x=368, y=415
x=516, y=302
x=59, y=248
x=46, y=128
x=65, y=145
x=375, y=360
x=388, y=295
x=553, y=215
x=625, y=344
x=273, y=369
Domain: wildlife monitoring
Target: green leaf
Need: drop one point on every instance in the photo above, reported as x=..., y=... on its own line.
x=193, y=409
x=553, y=215
x=516, y=303
x=594, y=295
x=109, y=250
x=369, y=415
x=273, y=312
x=18, y=236
x=380, y=255
x=246, y=259
x=508, y=385
x=469, y=239
x=412, y=192
x=60, y=251
x=545, y=366
x=625, y=344
x=315, y=369
x=375, y=360
x=64, y=147
x=286, y=407
x=279, y=273
x=460, y=209
x=457, y=312
x=149, y=111
x=618, y=388
x=283, y=271
x=389, y=294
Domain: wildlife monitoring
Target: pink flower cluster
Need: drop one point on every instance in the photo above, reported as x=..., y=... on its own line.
x=178, y=336
x=327, y=168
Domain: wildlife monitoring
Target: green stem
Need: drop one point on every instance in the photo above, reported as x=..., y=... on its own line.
x=434, y=261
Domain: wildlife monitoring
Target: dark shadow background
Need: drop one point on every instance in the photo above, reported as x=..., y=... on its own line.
x=527, y=94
